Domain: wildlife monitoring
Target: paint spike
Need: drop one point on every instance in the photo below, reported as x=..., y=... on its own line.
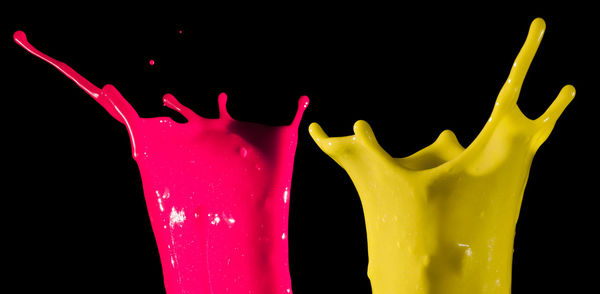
x=170, y=101
x=363, y=130
x=447, y=136
x=95, y=92
x=118, y=102
x=126, y=113
x=21, y=38
x=564, y=98
x=302, y=105
x=511, y=89
x=332, y=146
x=317, y=133
x=365, y=135
x=545, y=123
x=223, y=106
x=443, y=149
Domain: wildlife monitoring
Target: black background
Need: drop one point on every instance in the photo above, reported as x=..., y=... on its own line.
x=75, y=219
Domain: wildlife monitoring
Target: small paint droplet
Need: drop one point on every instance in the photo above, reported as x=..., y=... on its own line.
x=180, y=32
x=151, y=62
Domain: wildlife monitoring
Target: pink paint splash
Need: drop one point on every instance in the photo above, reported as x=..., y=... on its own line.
x=217, y=191
x=151, y=62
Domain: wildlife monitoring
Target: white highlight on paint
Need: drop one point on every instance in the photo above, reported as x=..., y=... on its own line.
x=468, y=250
x=176, y=217
x=286, y=195
x=214, y=220
x=165, y=195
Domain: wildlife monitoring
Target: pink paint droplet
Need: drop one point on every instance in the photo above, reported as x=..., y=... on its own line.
x=180, y=32
x=151, y=62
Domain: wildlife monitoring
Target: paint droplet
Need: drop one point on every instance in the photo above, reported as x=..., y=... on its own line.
x=151, y=62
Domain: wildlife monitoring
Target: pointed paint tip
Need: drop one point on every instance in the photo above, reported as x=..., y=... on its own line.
x=223, y=106
x=554, y=111
x=171, y=102
x=538, y=25
x=566, y=95
x=360, y=125
x=302, y=105
x=316, y=132
x=167, y=99
x=303, y=102
x=447, y=136
x=222, y=99
x=539, y=22
x=571, y=90
x=363, y=130
x=19, y=36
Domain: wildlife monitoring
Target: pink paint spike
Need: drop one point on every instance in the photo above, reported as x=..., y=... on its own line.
x=171, y=102
x=84, y=84
x=302, y=105
x=223, y=106
x=217, y=192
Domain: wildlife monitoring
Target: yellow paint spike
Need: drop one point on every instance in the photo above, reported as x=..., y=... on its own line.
x=443, y=220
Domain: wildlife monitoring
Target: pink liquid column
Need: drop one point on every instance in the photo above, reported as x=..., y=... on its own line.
x=217, y=192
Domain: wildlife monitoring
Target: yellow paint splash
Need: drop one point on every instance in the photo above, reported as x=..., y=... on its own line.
x=443, y=219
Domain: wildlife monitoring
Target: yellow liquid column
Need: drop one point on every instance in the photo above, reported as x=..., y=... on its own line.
x=443, y=219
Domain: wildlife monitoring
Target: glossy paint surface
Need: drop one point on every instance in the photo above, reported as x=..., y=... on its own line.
x=217, y=191
x=443, y=219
